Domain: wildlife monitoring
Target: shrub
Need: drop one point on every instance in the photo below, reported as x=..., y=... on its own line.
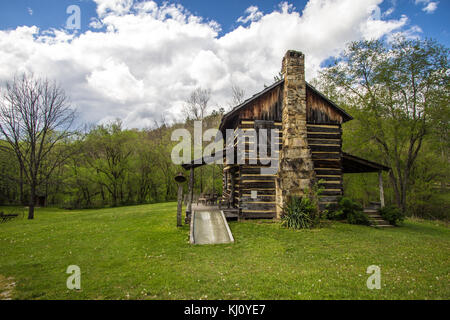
x=332, y=212
x=392, y=214
x=347, y=206
x=358, y=217
x=300, y=213
x=349, y=210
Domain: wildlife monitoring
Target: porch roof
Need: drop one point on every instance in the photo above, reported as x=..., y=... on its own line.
x=201, y=162
x=354, y=164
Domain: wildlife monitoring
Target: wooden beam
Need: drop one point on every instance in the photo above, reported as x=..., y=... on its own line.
x=323, y=125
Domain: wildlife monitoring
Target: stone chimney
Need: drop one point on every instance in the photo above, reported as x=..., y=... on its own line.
x=296, y=170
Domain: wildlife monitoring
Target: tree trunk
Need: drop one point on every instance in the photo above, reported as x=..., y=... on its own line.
x=403, y=196
x=394, y=183
x=114, y=195
x=22, y=197
x=32, y=201
x=102, y=194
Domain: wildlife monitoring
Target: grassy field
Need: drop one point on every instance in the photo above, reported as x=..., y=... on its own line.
x=138, y=253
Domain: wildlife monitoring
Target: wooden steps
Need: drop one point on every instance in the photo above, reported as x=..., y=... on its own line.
x=376, y=220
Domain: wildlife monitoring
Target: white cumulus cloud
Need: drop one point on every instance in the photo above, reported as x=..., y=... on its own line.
x=140, y=60
x=428, y=5
x=431, y=7
x=253, y=14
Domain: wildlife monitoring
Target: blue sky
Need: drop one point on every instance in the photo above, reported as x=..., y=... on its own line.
x=141, y=59
x=52, y=13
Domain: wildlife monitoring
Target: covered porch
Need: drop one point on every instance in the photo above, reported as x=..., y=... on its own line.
x=205, y=202
x=354, y=164
x=227, y=203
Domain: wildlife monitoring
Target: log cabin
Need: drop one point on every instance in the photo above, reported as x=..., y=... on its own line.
x=305, y=143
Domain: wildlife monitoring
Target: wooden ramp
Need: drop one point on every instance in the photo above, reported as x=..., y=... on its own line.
x=210, y=227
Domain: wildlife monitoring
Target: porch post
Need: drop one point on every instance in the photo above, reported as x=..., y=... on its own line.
x=380, y=184
x=190, y=197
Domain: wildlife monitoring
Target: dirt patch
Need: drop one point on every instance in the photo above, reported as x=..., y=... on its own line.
x=7, y=286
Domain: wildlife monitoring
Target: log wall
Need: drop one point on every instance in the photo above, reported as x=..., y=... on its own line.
x=325, y=142
x=249, y=178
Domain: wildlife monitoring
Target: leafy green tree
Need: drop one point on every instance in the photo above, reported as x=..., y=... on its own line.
x=394, y=88
x=108, y=150
x=11, y=185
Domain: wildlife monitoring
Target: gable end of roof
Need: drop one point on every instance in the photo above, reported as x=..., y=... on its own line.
x=345, y=115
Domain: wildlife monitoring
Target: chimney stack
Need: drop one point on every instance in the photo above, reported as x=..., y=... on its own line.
x=296, y=171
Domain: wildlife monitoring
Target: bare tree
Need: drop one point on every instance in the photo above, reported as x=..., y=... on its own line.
x=196, y=109
x=238, y=94
x=35, y=118
x=197, y=104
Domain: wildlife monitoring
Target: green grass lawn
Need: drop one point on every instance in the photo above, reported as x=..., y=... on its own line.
x=138, y=253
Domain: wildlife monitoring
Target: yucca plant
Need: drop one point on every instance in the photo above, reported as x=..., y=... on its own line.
x=299, y=213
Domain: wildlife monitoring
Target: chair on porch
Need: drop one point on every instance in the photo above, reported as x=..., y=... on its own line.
x=213, y=198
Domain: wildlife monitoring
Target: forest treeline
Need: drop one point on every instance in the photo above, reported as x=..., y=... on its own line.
x=109, y=166
x=398, y=94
